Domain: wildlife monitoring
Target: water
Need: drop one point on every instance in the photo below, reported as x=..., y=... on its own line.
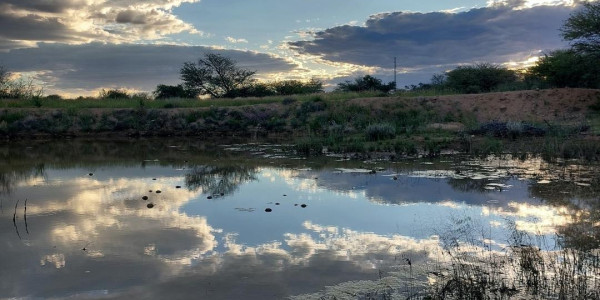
x=73, y=223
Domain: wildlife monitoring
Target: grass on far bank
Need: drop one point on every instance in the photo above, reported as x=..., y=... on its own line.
x=84, y=103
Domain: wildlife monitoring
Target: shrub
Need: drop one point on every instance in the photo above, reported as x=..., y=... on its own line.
x=164, y=91
x=53, y=97
x=288, y=101
x=113, y=94
x=479, y=78
x=381, y=131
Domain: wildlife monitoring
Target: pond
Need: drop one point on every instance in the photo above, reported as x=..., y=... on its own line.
x=181, y=219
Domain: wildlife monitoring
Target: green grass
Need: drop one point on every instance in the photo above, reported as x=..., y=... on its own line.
x=173, y=102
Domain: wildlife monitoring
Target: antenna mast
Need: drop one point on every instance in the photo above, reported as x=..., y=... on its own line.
x=395, y=82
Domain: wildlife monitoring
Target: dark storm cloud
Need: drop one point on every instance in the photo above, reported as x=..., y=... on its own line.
x=32, y=28
x=51, y=6
x=95, y=65
x=492, y=34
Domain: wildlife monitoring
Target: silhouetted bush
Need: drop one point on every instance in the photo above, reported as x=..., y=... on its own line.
x=113, y=94
x=173, y=91
x=365, y=83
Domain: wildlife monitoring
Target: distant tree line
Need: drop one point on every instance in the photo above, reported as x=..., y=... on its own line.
x=219, y=76
x=578, y=66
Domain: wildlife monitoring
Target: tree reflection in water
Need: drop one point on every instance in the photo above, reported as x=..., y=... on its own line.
x=219, y=180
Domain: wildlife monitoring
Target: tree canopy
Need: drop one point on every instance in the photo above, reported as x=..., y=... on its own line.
x=479, y=78
x=568, y=68
x=214, y=75
x=582, y=28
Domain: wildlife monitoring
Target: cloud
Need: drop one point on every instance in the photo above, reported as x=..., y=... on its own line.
x=236, y=41
x=492, y=34
x=78, y=21
x=47, y=6
x=92, y=66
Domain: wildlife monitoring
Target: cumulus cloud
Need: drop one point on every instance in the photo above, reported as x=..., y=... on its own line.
x=497, y=34
x=92, y=66
x=78, y=21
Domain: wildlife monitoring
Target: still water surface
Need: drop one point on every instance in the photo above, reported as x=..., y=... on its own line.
x=74, y=222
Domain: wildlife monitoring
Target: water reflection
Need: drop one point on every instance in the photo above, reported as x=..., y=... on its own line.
x=219, y=180
x=96, y=236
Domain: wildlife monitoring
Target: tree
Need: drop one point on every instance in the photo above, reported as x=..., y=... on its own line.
x=214, y=75
x=19, y=88
x=438, y=79
x=479, y=78
x=568, y=68
x=582, y=28
x=365, y=83
x=4, y=75
x=164, y=91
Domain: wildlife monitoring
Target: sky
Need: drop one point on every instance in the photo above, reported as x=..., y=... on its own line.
x=78, y=47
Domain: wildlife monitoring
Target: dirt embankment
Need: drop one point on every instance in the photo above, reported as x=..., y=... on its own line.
x=555, y=105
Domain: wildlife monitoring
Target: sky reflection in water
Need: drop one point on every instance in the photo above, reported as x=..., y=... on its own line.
x=93, y=236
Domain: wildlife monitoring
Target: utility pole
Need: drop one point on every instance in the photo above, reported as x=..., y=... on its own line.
x=395, y=82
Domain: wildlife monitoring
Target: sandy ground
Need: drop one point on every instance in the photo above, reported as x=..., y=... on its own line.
x=553, y=105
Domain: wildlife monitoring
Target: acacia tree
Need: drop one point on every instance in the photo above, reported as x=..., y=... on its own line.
x=214, y=75
x=582, y=28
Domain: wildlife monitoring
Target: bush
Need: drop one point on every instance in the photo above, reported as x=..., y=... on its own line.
x=173, y=91
x=288, y=101
x=113, y=94
x=381, y=131
x=567, y=68
x=366, y=83
x=53, y=97
x=479, y=78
